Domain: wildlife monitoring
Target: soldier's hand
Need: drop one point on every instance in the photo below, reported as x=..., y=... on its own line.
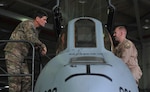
x=44, y=51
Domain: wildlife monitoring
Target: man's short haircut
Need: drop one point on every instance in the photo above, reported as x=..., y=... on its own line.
x=40, y=14
x=122, y=28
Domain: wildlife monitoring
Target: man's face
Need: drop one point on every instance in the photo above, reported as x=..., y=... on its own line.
x=117, y=34
x=42, y=21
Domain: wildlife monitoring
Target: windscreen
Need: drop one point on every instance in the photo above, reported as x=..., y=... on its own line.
x=85, y=33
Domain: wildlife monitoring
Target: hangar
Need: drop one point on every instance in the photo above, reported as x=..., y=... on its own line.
x=134, y=14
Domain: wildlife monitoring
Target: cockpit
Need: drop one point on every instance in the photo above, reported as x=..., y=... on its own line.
x=84, y=30
x=85, y=34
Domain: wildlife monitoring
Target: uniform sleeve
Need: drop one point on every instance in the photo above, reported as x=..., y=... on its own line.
x=126, y=52
x=32, y=36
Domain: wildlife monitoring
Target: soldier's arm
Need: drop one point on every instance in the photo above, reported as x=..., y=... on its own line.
x=33, y=38
x=126, y=53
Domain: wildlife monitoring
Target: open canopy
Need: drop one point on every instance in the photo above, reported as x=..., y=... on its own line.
x=84, y=8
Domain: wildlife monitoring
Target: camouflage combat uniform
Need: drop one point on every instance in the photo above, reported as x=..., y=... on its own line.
x=128, y=52
x=15, y=53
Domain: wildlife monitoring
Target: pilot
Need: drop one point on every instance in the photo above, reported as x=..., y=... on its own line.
x=15, y=52
x=61, y=45
x=127, y=51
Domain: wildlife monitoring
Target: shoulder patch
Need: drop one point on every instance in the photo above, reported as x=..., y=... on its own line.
x=127, y=45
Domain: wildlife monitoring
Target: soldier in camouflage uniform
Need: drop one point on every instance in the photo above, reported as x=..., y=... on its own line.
x=15, y=52
x=127, y=51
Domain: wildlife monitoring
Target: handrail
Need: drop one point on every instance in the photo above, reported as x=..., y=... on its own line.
x=33, y=54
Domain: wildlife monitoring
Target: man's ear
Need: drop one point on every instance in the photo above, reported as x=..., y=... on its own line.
x=37, y=18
